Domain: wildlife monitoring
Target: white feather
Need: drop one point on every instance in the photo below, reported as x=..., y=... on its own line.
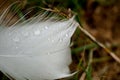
x=37, y=49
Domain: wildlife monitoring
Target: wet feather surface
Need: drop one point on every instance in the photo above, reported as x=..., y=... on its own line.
x=37, y=49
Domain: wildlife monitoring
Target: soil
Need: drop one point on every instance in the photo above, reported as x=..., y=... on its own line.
x=103, y=22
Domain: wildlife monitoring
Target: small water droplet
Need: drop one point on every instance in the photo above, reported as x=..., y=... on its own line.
x=48, y=39
x=48, y=53
x=25, y=34
x=9, y=34
x=37, y=32
x=20, y=52
x=16, y=47
x=66, y=35
x=46, y=27
x=16, y=39
x=60, y=40
x=52, y=41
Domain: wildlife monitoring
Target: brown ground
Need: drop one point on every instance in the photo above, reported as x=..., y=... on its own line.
x=103, y=22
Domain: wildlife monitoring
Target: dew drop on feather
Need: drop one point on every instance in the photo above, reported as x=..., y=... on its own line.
x=16, y=47
x=16, y=39
x=48, y=53
x=25, y=34
x=60, y=40
x=37, y=32
x=46, y=27
x=9, y=34
x=66, y=35
x=52, y=41
x=48, y=39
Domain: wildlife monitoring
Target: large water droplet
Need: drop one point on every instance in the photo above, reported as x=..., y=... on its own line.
x=25, y=34
x=16, y=39
x=37, y=32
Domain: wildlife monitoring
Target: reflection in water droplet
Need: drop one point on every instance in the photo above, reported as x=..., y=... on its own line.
x=37, y=32
x=16, y=39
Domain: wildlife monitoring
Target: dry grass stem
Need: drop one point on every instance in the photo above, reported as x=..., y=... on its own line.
x=100, y=44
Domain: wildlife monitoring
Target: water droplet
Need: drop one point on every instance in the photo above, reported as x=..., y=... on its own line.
x=48, y=53
x=66, y=35
x=16, y=39
x=46, y=27
x=60, y=40
x=37, y=32
x=25, y=34
x=52, y=41
x=20, y=52
x=16, y=47
x=48, y=39
x=9, y=34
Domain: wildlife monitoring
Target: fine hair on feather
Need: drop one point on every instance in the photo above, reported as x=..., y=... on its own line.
x=37, y=48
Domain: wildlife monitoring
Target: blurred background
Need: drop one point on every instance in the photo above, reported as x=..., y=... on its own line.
x=99, y=17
